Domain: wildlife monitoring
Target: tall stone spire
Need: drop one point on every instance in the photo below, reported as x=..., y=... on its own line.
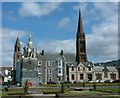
x=17, y=47
x=17, y=53
x=80, y=42
x=80, y=26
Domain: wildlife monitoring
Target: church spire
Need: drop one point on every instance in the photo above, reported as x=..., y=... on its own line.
x=17, y=45
x=81, y=55
x=80, y=26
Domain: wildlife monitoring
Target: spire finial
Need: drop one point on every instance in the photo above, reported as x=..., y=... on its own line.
x=30, y=37
x=79, y=12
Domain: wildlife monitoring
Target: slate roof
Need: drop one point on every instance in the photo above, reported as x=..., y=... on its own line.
x=98, y=69
x=69, y=57
x=112, y=69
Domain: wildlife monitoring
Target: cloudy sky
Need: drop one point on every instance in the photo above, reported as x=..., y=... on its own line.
x=53, y=27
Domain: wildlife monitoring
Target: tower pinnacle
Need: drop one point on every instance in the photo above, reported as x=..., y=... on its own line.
x=80, y=26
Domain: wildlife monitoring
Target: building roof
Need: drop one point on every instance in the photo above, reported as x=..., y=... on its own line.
x=101, y=68
x=112, y=69
x=52, y=56
x=98, y=69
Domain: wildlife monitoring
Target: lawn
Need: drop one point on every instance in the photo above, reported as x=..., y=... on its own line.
x=13, y=92
x=109, y=89
x=84, y=93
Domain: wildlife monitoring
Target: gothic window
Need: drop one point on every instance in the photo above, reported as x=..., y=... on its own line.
x=83, y=68
x=89, y=68
x=98, y=76
x=105, y=73
x=89, y=77
x=81, y=76
x=81, y=46
x=72, y=76
x=113, y=76
x=72, y=68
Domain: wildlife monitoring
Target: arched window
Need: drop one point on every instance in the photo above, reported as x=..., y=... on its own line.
x=89, y=68
x=72, y=68
x=105, y=72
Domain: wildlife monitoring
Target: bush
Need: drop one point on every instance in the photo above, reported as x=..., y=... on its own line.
x=26, y=87
x=94, y=85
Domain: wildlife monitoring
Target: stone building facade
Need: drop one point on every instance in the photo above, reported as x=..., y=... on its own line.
x=46, y=67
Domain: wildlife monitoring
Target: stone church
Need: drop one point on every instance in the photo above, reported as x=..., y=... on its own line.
x=47, y=67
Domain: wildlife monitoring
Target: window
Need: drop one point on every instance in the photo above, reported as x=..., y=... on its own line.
x=40, y=78
x=39, y=71
x=39, y=63
x=72, y=68
x=58, y=78
x=72, y=76
x=81, y=46
x=50, y=71
x=113, y=76
x=78, y=68
x=59, y=62
x=50, y=78
x=49, y=63
x=83, y=68
x=59, y=71
x=89, y=68
x=81, y=76
x=105, y=73
x=98, y=76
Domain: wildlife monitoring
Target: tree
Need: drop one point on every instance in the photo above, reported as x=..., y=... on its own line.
x=94, y=85
x=62, y=87
x=26, y=87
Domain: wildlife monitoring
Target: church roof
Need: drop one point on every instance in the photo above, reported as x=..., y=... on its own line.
x=52, y=56
x=98, y=69
x=101, y=68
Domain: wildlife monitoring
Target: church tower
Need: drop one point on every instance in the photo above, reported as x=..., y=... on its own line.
x=80, y=42
x=17, y=53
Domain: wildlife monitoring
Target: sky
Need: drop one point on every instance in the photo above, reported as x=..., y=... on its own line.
x=53, y=26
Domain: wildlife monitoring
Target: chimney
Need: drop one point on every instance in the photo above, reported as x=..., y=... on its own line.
x=61, y=53
x=42, y=52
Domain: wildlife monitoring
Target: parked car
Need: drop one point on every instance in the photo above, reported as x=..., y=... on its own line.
x=108, y=81
x=51, y=82
x=67, y=82
x=97, y=81
x=116, y=81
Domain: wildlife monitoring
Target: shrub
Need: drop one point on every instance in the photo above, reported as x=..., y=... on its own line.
x=26, y=87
